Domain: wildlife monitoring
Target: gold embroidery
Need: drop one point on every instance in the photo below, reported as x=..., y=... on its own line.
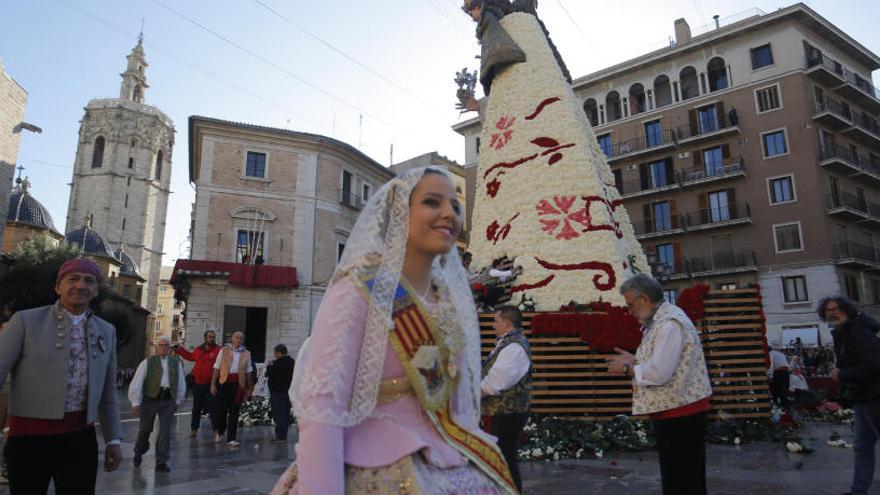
x=394, y=389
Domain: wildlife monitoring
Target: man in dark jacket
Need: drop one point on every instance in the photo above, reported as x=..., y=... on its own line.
x=204, y=357
x=858, y=369
x=279, y=374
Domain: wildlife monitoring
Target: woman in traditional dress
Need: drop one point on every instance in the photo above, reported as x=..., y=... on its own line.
x=388, y=400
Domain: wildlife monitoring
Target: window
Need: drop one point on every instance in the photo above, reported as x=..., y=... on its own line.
x=159, y=165
x=762, y=56
x=689, y=85
x=131, y=162
x=788, y=237
x=774, y=143
x=727, y=286
x=340, y=247
x=875, y=291
x=160, y=309
x=781, y=190
x=123, y=224
x=605, y=144
x=365, y=192
x=126, y=201
x=708, y=119
x=256, y=165
x=767, y=99
x=717, y=74
x=669, y=295
x=613, y=107
x=347, y=186
x=163, y=288
x=666, y=256
x=249, y=247
x=478, y=146
x=852, y=287
x=713, y=160
x=794, y=289
x=719, y=207
x=662, y=216
x=662, y=91
x=658, y=175
x=654, y=133
x=592, y=111
x=128, y=182
x=618, y=180
x=98, y=153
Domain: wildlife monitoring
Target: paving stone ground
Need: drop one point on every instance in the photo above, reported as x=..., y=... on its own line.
x=200, y=467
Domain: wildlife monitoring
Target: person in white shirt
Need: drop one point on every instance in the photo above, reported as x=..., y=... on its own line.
x=780, y=378
x=232, y=383
x=157, y=389
x=507, y=381
x=670, y=384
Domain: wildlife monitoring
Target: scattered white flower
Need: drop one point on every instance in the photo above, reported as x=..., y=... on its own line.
x=737, y=441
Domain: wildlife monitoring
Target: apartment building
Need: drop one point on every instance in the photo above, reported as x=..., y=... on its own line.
x=748, y=153
x=273, y=212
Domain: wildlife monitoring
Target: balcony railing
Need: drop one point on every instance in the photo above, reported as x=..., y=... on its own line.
x=700, y=129
x=733, y=166
x=719, y=215
x=867, y=123
x=864, y=85
x=833, y=152
x=350, y=199
x=636, y=186
x=826, y=62
x=855, y=251
x=722, y=261
x=843, y=199
x=641, y=145
x=826, y=104
x=660, y=225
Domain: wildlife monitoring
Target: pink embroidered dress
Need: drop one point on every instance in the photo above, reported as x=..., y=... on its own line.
x=362, y=429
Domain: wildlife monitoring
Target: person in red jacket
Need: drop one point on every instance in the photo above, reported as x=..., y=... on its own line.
x=204, y=357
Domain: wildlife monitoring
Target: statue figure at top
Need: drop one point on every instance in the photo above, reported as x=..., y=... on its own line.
x=498, y=48
x=545, y=196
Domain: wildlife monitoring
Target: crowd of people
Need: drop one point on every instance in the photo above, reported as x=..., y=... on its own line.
x=391, y=389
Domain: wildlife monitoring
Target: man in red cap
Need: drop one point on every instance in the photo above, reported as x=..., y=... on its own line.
x=63, y=364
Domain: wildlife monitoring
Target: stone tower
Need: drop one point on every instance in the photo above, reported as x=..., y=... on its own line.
x=122, y=173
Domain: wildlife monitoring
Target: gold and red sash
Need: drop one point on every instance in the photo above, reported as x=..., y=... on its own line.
x=425, y=357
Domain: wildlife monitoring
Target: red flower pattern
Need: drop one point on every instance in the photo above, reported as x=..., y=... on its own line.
x=500, y=139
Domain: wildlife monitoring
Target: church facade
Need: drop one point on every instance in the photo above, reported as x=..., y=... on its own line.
x=122, y=174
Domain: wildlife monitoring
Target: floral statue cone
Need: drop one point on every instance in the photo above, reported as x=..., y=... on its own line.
x=545, y=194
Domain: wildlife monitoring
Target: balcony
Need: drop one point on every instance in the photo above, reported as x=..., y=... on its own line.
x=855, y=255
x=825, y=70
x=721, y=216
x=861, y=91
x=690, y=134
x=351, y=199
x=641, y=146
x=832, y=113
x=733, y=168
x=864, y=129
x=659, y=227
x=722, y=264
x=847, y=162
x=636, y=188
x=853, y=207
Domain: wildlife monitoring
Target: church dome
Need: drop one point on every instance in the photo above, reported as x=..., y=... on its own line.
x=129, y=267
x=25, y=209
x=89, y=241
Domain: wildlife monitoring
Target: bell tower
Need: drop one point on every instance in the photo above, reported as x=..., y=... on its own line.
x=134, y=79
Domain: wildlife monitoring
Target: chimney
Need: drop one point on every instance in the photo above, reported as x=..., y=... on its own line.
x=682, y=31
x=717, y=21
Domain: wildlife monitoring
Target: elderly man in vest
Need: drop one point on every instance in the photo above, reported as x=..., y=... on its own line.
x=63, y=364
x=234, y=372
x=670, y=384
x=157, y=389
x=507, y=380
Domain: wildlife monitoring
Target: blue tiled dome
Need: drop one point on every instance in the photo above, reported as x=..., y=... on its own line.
x=24, y=209
x=129, y=267
x=90, y=242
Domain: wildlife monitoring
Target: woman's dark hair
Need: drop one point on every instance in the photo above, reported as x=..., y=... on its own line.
x=843, y=303
x=207, y=332
x=281, y=349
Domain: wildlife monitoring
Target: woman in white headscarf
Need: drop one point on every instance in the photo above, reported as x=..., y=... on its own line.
x=388, y=399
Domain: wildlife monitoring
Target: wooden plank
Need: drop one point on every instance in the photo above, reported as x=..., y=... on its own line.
x=759, y=346
x=728, y=371
x=732, y=291
x=732, y=318
x=732, y=300
x=579, y=392
x=590, y=400
x=737, y=388
x=747, y=352
x=724, y=398
x=733, y=326
x=735, y=309
x=755, y=405
x=758, y=379
x=735, y=361
x=582, y=383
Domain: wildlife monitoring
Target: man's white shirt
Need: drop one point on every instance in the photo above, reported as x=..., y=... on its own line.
x=509, y=368
x=136, y=389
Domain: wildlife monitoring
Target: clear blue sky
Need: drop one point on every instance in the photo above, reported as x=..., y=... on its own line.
x=66, y=52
